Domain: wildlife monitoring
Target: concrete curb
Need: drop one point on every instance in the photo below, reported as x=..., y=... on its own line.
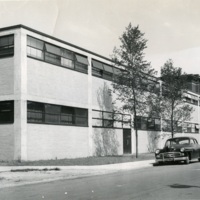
x=118, y=166
x=11, y=179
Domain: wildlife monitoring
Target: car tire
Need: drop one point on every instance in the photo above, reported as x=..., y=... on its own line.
x=199, y=159
x=187, y=161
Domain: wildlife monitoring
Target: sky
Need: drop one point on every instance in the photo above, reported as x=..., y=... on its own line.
x=172, y=27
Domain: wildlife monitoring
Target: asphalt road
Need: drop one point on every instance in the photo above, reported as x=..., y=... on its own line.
x=167, y=182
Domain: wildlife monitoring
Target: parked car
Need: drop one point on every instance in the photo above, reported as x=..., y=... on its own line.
x=178, y=149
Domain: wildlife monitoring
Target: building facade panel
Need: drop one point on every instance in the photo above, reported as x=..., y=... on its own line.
x=53, y=83
x=56, y=142
x=6, y=76
x=107, y=141
x=7, y=142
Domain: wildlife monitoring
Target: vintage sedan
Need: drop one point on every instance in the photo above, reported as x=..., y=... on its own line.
x=178, y=149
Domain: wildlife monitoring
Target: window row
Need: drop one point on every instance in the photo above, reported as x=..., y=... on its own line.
x=185, y=127
x=56, y=114
x=104, y=71
x=56, y=55
x=6, y=112
x=6, y=46
x=154, y=124
x=106, y=119
x=146, y=123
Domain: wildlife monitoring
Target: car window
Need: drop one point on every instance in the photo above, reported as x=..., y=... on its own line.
x=185, y=141
x=192, y=141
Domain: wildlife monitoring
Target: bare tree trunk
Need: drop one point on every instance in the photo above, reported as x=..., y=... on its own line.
x=172, y=121
x=136, y=141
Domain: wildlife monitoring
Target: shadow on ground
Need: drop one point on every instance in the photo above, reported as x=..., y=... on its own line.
x=180, y=186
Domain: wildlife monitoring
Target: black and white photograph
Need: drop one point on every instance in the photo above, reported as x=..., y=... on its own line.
x=99, y=99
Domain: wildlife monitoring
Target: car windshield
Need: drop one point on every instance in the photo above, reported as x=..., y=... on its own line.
x=175, y=141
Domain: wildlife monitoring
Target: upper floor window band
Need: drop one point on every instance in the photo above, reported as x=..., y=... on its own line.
x=56, y=55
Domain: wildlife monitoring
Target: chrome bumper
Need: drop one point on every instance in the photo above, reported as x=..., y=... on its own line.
x=171, y=159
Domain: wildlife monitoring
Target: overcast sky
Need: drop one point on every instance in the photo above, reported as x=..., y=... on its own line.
x=172, y=27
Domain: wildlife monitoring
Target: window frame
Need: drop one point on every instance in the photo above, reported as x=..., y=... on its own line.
x=47, y=117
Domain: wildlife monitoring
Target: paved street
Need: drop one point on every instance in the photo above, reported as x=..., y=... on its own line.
x=153, y=183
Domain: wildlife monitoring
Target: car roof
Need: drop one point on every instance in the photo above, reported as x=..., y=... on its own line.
x=185, y=137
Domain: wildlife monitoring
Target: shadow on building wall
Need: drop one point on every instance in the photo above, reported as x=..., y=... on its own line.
x=155, y=140
x=105, y=139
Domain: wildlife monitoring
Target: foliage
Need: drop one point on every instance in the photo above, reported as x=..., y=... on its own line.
x=135, y=85
x=173, y=106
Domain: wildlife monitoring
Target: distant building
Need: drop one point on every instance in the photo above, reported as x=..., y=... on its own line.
x=56, y=101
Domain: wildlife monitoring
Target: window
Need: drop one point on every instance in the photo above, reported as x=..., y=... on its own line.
x=67, y=59
x=107, y=119
x=52, y=54
x=35, y=48
x=6, y=46
x=52, y=114
x=80, y=116
x=97, y=68
x=81, y=63
x=56, y=114
x=56, y=55
x=6, y=112
x=145, y=123
x=35, y=112
x=105, y=71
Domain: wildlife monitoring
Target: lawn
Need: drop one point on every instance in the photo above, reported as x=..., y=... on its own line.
x=82, y=161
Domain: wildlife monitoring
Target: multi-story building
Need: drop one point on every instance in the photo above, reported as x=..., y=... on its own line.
x=56, y=101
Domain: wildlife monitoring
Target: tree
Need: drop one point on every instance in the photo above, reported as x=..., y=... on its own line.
x=173, y=107
x=135, y=84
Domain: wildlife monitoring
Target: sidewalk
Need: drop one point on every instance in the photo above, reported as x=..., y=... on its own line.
x=9, y=179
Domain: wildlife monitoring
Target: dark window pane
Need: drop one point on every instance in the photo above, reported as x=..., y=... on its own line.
x=97, y=64
x=6, y=46
x=52, y=113
x=82, y=59
x=107, y=76
x=35, y=43
x=54, y=59
x=67, y=54
x=97, y=72
x=53, y=49
x=35, y=112
x=6, y=112
x=82, y=68
x=81, y=117
x=108, y=68
x=67, y=115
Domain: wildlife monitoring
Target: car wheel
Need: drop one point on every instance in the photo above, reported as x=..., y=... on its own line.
x=199, y=159
x=187, y=161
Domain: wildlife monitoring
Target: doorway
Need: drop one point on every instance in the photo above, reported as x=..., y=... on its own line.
x=127, y=141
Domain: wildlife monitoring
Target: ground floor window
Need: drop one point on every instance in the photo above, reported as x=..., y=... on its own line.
x=6, y=112
x=106, y=119
x=56, y=114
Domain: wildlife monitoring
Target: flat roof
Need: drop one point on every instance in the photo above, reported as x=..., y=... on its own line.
x=51, y=37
